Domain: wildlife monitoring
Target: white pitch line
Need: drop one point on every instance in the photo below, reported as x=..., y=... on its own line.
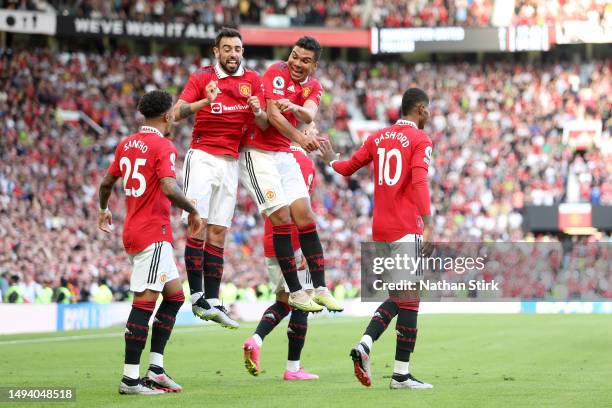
x=83, y=337
x=120, y=333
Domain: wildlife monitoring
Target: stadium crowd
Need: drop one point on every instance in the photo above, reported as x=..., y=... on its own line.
x=331, y=13
x=496, y=131
x=529, y=12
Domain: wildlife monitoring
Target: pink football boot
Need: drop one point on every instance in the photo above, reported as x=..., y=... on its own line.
x=299, y=375
x=251, y=356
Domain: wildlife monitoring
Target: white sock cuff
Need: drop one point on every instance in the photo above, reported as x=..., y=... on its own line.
x=213, y=301
x=156, y=359
x=401, y=367
x=195, y=297
x=293, y=365
x=367, y=340
x=131, y=371
x=257, y=339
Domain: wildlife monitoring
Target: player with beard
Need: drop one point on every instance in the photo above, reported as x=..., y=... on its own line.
x=401, y=155
x=271, y=174
x=227, y=100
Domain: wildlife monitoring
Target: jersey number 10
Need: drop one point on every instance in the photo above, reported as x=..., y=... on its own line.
x=384, y=168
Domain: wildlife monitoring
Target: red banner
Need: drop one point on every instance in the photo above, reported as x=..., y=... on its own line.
x=575, y=216
x=256, y=35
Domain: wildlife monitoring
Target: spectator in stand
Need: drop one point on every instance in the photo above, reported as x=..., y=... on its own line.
x=530, y=12
x=496, y=128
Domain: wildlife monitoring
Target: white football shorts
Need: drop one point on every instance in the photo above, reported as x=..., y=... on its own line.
x=211, y=182
x=274, y=179
x=154, y=266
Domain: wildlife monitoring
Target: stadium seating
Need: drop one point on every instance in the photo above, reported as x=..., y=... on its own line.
x=52, y=164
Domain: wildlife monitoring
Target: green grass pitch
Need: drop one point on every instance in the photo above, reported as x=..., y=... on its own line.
x=472, y=360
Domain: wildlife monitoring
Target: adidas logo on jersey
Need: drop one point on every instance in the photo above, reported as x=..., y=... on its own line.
x=291, y=88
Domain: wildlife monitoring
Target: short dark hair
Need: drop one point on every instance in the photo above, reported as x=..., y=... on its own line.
x=155, y=103
x=309, y=43
x=226, y=32
x=412, y=97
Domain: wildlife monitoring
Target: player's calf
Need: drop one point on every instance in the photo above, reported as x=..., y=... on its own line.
x=136, y=332
x=296, y=334
x=194, y=264
x=163, y=324
x=213, y=272
x=380, y=321
x=406, y=331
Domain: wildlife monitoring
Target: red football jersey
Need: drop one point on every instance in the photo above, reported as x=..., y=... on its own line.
x=278, y=84
x=142, y=160
x=220, y=127
x=396, y=151
x=308, y=172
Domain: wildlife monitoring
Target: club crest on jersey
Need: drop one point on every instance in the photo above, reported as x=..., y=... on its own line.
x=163, y=278
x=216, y=108
x=278, y=82
x=306, y=91
x=245, y=89
x=270, y=195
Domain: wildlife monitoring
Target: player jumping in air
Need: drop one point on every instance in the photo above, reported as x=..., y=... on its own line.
x=227, y=100
x=272, y=176
x=401, y=154
x=145, y=161
x=298, y=323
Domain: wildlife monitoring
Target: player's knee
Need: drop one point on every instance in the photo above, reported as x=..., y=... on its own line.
x=216, y=235
x=146, y=296
x=281, y=216
x=201, y=235
x=301, y=213
x=403, y=294
x=177, y=296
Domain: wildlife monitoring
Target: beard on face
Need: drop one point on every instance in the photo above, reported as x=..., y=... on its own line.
x=233, y=68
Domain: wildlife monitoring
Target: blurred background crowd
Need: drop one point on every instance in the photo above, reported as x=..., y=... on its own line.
x=330, y=13
x=496, y=129
x=496, y=132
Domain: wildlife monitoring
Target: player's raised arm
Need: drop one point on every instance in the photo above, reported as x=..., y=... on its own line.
x=305, y=114
x=359, y=159
x=276, y=119
x=257, y=102
x=105, y=218
x=184, y=108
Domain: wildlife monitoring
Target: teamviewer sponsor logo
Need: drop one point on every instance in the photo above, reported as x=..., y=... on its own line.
x=216, y=108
